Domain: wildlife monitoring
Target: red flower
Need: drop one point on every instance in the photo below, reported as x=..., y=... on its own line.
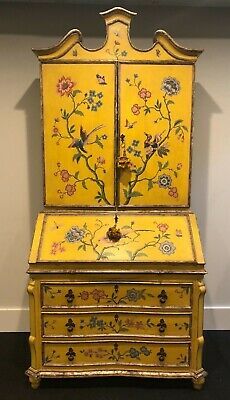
x=84, y=295
x=65, y=175
x=135, y=109
x=179, y=166
x=70, y=189
x=65, y=86
x=162, y=227
x=98, y=294
x=100, y=160
x=144, y=94
x=173, y=192
x=55, y=129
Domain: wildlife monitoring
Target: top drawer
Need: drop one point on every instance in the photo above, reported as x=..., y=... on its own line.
x=112, y=294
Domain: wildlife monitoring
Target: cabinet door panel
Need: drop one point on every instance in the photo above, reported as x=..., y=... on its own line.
x=155, y=124
x=78, y=113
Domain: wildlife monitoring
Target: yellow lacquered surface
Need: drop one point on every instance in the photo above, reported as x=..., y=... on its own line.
x=78, y=115
x=115, y=323
x=152, y=115
x=118, y=353
x=111, y=294
x=83, y=237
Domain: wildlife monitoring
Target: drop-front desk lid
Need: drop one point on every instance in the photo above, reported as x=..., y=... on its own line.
x=146, y=237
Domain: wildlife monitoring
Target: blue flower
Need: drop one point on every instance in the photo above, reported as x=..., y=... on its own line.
x=100, y=95
x=129, y=149
x=75, y=234
x=134, y=353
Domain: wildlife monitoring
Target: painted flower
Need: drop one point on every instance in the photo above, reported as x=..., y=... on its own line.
x=99, y=103
x=129, y=322
x=75, y=234
x=135, y=143
x=133, y=295
x=137, y=153
x=70, y=189
x=65, y=86
x=64, y=175
x=162, y=227
x=139, y=325
x=179, y=233
x=100, y=95
x=92, y=93
x=164, y=181
x=55, y=129
x=144, y=94
x=124, y=53
x=173, y=192
x=135, y=109
x=167, y=248
x=145, y=351
x=100, y=160
x=179, y=166
x=94, y=108
x=104, y=137
x=98, y=294
x=84, y=295
x=129, y=149
x=93, y=322
x=134, y=353
x=170, y=86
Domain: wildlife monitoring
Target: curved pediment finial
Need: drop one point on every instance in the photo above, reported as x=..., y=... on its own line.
x=117, y=45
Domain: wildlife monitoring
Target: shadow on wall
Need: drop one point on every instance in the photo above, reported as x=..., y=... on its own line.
x=30, y=103
x=57, y=19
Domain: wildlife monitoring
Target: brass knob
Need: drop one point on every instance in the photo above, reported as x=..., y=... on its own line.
x=161, y=354
x=70, y=354
x=70, y=325
x=162, y=325
x=162, y=296
x=69, y=296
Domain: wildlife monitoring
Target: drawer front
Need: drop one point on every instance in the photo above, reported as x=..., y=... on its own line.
x=111, y=294
x=112, y=323
x=117, y=352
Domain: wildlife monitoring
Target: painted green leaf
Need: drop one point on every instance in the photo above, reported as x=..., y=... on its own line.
x=176, y=174
x=178, y=121
x=150, y=184
x=107, y=254
x=135, y=194
x=77, y=175
x=170, y=102
x=78, y=112
x=125, y=227
x=85, y=226
x=125, y=193
x=160, y=165
x=141, y=255
x=72, y=129
x=84, y=185
x=54, y=134
x=77, y=157
x=84, y=247
x=165, y=165
x=178, y=129
x=76, y=92
x=98, y=141
x=80, y=247
x=185, y=128
x=130, y=254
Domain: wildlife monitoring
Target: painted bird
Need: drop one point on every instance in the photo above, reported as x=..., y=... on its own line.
x=151, y=145
x=79, y=143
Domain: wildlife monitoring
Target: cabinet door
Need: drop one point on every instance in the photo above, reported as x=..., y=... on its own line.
x=155, y=103
x=79, y=125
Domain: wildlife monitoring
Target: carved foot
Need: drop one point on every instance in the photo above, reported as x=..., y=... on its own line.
x=198, y=383
x=35, y=382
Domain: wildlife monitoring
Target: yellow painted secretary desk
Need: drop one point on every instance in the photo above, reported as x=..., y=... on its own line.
x=116, y=265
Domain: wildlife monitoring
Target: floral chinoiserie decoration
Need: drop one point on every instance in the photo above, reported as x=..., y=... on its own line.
x=114, y=354
x=138, y=152
x=80, y=139
x=96, y=239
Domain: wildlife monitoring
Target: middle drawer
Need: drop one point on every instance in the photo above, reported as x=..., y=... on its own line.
x=115, y=323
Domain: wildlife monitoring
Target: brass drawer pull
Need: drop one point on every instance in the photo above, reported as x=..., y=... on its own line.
x=162, y=296
x=70, y=325
x=162, y=325
x=161, y=354
x=70, y=354
x=69, y=296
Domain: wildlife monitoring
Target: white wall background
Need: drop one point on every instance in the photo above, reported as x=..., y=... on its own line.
x=24, y=26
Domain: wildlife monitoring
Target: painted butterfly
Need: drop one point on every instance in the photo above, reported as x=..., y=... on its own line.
x=101, y=79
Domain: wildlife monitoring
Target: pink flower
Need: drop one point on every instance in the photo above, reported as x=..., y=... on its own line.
x=65, y=86
x=173, y=192
x=100, y=160
x=98, y=294
x=162, y=227
x=70, y=189
x=65, y=175
x=135, y=109
x=84, y=295
x=144, y=94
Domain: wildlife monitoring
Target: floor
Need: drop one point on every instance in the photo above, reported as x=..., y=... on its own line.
x=14, y=384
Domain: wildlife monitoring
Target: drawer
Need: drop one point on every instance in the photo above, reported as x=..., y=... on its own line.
x=116, y=352
x=115, y=323
x=110, y=294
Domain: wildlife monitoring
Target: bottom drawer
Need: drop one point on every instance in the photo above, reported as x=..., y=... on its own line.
x=116, y=352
